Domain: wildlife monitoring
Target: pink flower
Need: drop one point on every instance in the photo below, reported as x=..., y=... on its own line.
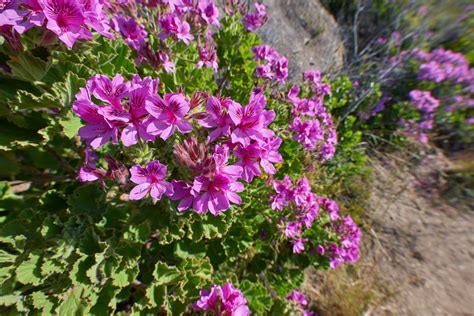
x=150, y=179
x=248, y=120
x=284, y=193
x=220, y=187
x=269, y=154
x=167, y=64
x=293, y=229
x=254, y=21
x=98, y=131
x=297, y=297
x=133, y=33
x=66, y=19
x=172, y=25
x=223, y=301
x=298, y=245
x=248, y=156
x=110, y=91
x=184, y=192
x=136, y=127
x=169, y=115
x=209, y=12
x=207, y=57
x=217, y=117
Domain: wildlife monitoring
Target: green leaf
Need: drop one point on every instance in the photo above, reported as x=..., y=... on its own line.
x=28, y=101
x=27, y=67
x=42, y=302
x=29, y=271
x=88, y=200
x=9, y=300
x=165, y=274
x=70, y=124
x=185, y=249
x=156, y=295
x=73, y=305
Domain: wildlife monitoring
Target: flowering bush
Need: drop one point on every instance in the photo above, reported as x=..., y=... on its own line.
x=160, y=153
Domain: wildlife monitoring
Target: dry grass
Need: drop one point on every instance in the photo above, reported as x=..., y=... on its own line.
x=346, y=291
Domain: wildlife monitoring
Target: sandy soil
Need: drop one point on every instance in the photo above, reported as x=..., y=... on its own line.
x=423, y=248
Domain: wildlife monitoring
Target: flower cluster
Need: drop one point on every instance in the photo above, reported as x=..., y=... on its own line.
x=131, y=109
x=426, y=104
x=298, y=299
x=443, y=65
x=70, y=20
x=223, y=300
x=180, y=21
x=272, y=66
x=305, y=207
x=304, y=204
x=349, y=239
x=312, y=124
x=135, y=111
x=255, y=20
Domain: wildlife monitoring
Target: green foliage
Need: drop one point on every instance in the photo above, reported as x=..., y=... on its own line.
x=74, y=249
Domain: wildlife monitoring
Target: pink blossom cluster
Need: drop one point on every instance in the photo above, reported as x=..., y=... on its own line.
x=347, y=251
x=179, y=20
x=225, y=300
x=133, y=111
x=272, y=66
x=255, y=20
x=305, y=207
x=70, y=20
x=300, y=301
x=312, y=124
x=427, y=105
x=443, y=65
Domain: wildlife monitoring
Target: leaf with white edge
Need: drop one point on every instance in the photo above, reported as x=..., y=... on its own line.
x=9, y=300
x=70, y=124
x=29, y=271
x=73, y=305
x=27, y=67
x=156, y=295
x=43, y=302
x=165, y=274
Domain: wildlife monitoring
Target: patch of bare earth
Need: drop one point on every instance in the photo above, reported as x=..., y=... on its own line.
x=422, y=247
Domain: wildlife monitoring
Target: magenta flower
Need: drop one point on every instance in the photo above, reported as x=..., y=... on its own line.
x=136, y=127
x=172, y=25
x=298, y=245
x=293, y=229
x=255, y=20
x=223, y=301
x=89, y=172
x=169, y=115
x=249, y=156
x=269, y=154
x=150, y=179
x=217, y=117
x=209, y=12
x=207, y=57
x=167, y=64
x=110, y=91
x=298, y=298
x=248, y=120
x=220, y=187
x=98, y=131
x=66, y=19
x=284, y=193
x=308, y=133
x=133, y=33
x=184, y=192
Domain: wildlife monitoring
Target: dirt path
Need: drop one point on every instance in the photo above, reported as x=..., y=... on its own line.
x=423, y=247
